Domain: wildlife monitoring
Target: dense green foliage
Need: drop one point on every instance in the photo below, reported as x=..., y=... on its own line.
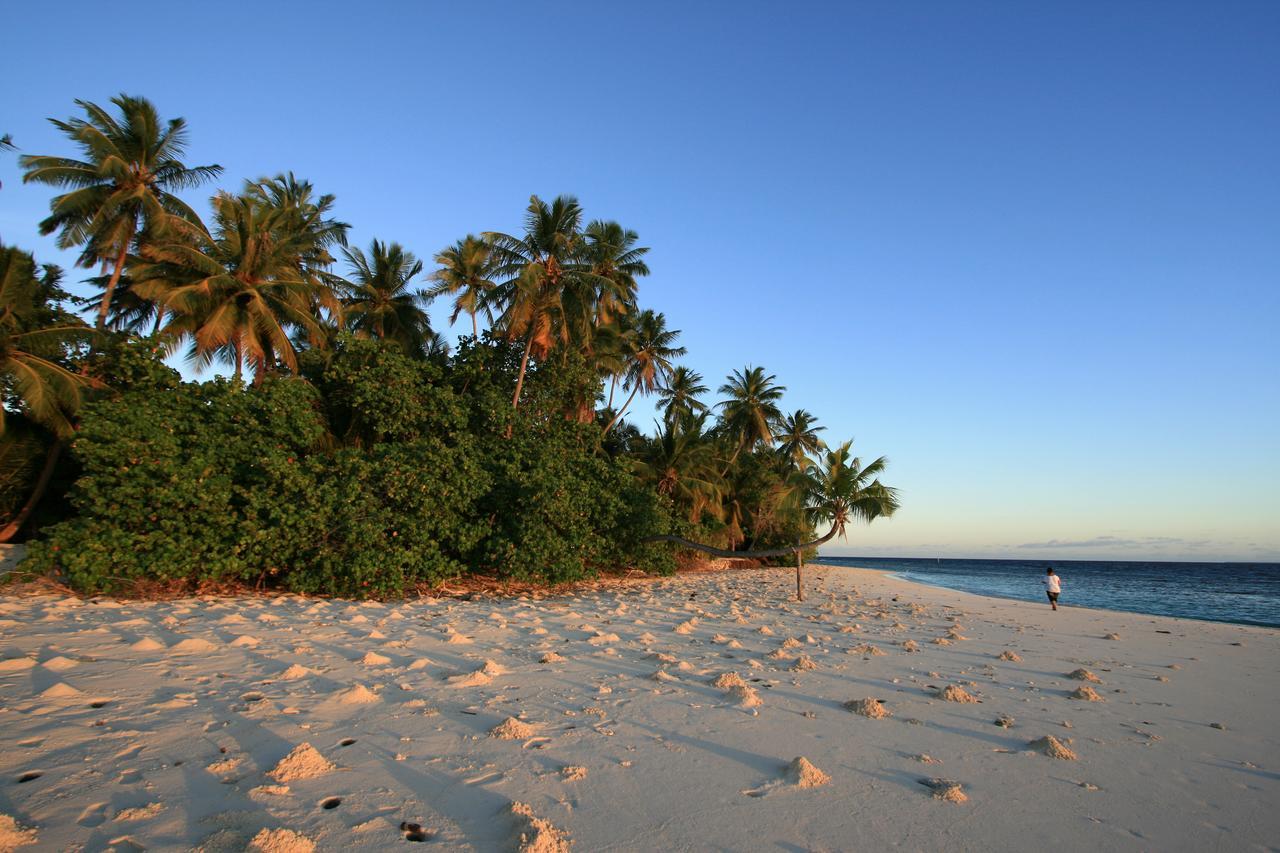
x=353, y=453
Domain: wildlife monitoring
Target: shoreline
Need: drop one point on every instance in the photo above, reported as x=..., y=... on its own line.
x=164, y=723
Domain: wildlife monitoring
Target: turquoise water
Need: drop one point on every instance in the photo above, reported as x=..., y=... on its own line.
x=1247, y=593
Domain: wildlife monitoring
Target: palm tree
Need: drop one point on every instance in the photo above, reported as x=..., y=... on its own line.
x=611, y=253
x=798, y=439
x=679, y=396
x=377, y=300
x=124, y=185
x=839, y=490
x=681, y=463
x=649, y=360
x=466, y=273
x=751, y=413
x=534, y=272
x=240, y=289
x=35, y=337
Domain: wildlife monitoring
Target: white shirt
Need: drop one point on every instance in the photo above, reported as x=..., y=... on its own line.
x=1052, y=583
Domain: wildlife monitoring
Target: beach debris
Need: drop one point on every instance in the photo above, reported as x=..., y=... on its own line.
x=1012, y=657
x=13, y=835
x=1218, y=726
x=926, y=759
x=1087, y=694
x=955, y=693
x=1004, y=721
x=511, y=729
x=551, y=657
x=538, y=835
x=945, y=789
x=871, y=708
x=1111, y=636
x=1054, y=748
x=1084, y=675
x=281, y=841
x=303, y=762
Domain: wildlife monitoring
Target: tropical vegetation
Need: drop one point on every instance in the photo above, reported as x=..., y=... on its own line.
x=349, y=450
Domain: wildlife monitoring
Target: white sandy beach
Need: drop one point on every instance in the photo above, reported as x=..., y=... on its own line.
x=136, y=725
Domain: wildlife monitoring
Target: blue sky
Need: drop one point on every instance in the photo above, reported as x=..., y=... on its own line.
x=1030, y=253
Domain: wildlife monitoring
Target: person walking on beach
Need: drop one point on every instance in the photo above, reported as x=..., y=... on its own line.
x=1052, y=587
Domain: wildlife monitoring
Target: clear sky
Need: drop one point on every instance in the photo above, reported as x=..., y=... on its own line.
x=1031, y=253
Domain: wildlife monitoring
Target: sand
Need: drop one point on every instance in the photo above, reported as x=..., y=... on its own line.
x=288, y=723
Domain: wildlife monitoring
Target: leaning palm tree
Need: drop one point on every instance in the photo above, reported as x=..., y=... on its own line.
x=466, y=273
x=679, y=396
x=798, y=439
x=240, y=289
x=751, y=414
x=378, y=300
x=649, y=360
x=124, y=186
x=838, y=490
x=34, y=378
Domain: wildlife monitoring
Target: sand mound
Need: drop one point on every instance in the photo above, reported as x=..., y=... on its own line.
x=725, y=680
x=1053, y=748
x=945, y=789
x=872, y=708
x=13, y=836
x=61, y=690
x=60, y=664
x=1010, y=656
x=538, y=835
x=662, y=675
x=804, y=663
x=551, y=657
x=802, y=774
x=481, y=676
x=911, y=646
x=146, y=644
x=866, y=649
x=357, y=695
x=745, y=697
x=955, y=693
x=940, y=641
x=281, y=841
x=573, y=773
x=16, y=664
x=305, y=762
x=1112, y=636
x=511, y=729
x=791, y=643
x=374, y=659
x=1084, y=675
x=686, y=627
x=244, y=641
x=1086, y=693
x=294, y=672
x=193, y=646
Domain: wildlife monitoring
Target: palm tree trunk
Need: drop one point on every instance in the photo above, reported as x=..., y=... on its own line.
x=111, y=285
x=733, y=458
x=524, y=365
x=239, y=358
x=42, y=483
x=475, y=327
x=623, y=409
x=755, y=555
x=159, y=320
x=613, y=386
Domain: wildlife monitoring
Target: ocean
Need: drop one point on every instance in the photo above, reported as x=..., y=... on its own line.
x=1246, y=593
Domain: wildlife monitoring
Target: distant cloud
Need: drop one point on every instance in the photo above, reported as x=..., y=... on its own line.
x=1118, y=542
